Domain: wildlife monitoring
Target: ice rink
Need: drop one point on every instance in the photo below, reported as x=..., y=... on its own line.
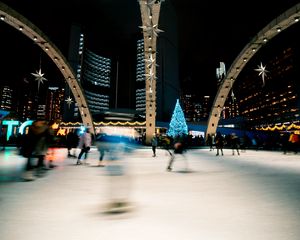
x=254, y=196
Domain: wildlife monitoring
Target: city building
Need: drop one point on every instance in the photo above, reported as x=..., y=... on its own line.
x=95, y=80
x=93, y=72
x=140, y=92
x=41, y=111
x=274, y=99
x=98, y=75
x=27, y=101
x=76, y=45
x=231, y=107
x=221, y=72
x=54, y=104
x=187, y=102
x=196, y=109
x=205, y=103
x=6, y=98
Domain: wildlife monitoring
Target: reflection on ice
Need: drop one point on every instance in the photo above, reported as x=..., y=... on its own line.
x=11, y=164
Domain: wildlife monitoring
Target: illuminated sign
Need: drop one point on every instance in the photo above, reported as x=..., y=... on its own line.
x=11, y=124
x=24, y=125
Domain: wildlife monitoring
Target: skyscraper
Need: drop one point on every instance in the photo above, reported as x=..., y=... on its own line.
x=95, y=80
x=54, y=103
x=93, y=72
x=6, y=95
x=140, y=93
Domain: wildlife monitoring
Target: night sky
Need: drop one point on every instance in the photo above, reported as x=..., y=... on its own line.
x=209, y=32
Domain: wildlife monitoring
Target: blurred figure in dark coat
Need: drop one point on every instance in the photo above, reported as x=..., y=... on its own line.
x=235, y=143
x=179, y=148
x=72, y=140
x=219, y=143
x=35, y=145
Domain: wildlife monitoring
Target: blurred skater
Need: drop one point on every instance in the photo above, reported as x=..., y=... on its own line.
x=219, y=143
x=154, y=144
x=36, y=145
x=209, y=142
x=235, y=143
x=72, y=143
x=116, y=169
x=178, y=149
x=102, y=146
x=2, y=137
x=85, y=143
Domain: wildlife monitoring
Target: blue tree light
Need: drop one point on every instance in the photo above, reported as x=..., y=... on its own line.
x=177, y=126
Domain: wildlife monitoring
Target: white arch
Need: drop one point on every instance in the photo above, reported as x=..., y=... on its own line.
x=22, y=24
x=276, y=26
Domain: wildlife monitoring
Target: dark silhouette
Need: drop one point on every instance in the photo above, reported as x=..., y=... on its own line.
x=235, y=143
x=3, y=138
x=219, y=143
x=209, y=142
x=72, y=140
x=154, y=144
x=102, y=146
x=179, y=148
x=35, y=145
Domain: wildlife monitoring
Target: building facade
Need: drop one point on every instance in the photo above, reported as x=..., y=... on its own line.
x=6, y=98
x=93, y=72
x=54, y=104
x=95, y=80
x=276, y=99
x=140, y=92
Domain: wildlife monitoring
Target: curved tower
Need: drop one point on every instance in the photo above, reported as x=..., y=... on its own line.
x=150, y=16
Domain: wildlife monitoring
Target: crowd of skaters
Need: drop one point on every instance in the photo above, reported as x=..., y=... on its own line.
x=277, y=141
x=40, y=138
x=269, y=140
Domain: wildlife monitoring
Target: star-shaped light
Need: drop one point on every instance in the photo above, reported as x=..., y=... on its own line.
x=69, y=101
x=150, y=61
x=39, y=76
x=150, y=77
x=151, y=30
x=262, y=71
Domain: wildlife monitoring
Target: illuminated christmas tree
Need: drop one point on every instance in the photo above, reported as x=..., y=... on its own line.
x=178, y=126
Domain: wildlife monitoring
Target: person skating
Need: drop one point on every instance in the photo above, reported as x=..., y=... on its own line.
x=178, y=149
x=219, y=143
x=85, y=143
x=36, y=145
x=154, y=144
x=72, y=143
